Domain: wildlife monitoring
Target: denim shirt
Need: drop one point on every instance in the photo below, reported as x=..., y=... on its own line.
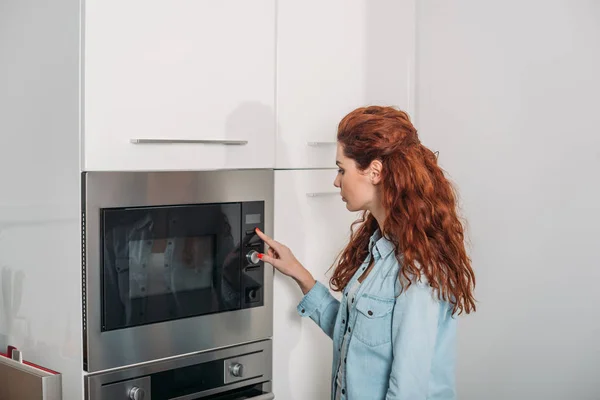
x=402, y=342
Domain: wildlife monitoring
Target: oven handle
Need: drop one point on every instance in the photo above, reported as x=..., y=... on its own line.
x=266, y=396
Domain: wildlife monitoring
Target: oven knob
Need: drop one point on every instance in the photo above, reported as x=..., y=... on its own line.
x=236, y=370
x=253, y=257
x=252, y=294
x=136, y=393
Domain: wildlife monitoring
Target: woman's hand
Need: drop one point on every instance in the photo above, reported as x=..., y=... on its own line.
x=282, y=258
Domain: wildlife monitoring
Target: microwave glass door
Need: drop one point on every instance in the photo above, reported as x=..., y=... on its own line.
x=169, y=262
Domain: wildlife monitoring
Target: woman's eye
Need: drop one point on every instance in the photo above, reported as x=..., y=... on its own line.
x=341, y=171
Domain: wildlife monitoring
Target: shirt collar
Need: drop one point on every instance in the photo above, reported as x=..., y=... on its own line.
x=379, y=245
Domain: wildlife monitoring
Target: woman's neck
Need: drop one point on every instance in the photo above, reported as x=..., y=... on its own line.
x=380, y=214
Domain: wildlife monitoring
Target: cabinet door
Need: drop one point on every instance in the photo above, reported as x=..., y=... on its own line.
x=334, y=56
x=311, y=219
x=196, y=76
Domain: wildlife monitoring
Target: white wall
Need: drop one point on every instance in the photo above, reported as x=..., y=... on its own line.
x=508, y=92
x=40, y=243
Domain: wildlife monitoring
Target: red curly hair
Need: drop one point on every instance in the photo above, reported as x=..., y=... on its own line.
x=422, y=220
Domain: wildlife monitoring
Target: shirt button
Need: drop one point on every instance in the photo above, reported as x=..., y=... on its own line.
x=343, y=391
x=353, y=299
x=349, y=329
x=303, y=311
x=343, y=321
x=370, y=312
x=344, y=359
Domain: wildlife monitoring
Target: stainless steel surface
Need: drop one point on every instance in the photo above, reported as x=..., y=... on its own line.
x=191, y=141
x=97, y=383
x=194, y=396
x=21, y=381
x=320, y=144
x=252, y=257
x=125, y=389
x=266, y=396
x=322, y=194
x=247, y=366
x=137, y=393
x=113, y=349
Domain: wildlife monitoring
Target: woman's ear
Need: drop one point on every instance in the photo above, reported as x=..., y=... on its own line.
x=375, y=171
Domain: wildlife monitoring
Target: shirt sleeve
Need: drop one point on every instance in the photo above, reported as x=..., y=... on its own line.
x=415, y=326
x=321, y=307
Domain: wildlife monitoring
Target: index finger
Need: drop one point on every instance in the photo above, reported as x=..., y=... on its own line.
x=272, y=243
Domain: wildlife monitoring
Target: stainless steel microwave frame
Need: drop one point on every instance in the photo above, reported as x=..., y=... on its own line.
x=122, y=347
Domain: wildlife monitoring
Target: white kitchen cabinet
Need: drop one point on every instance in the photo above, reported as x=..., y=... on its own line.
x=332, y=57
x=196, y=75
x=311, y=219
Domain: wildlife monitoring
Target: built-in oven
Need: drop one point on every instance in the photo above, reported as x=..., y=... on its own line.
x=170, y=263
x=237, y=373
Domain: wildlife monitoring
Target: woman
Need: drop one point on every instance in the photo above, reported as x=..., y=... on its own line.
x=404, y=275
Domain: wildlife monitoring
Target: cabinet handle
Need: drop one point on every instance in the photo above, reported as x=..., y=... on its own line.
x=321, y=144
x=193, y=141
x=322, y=194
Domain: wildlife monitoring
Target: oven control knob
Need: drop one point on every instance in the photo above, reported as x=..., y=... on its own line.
x=253, y=257
x=252, y=294
x=136, y=393
x=236, y=370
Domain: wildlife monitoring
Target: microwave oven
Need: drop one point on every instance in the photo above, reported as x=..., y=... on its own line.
x=170, y=263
